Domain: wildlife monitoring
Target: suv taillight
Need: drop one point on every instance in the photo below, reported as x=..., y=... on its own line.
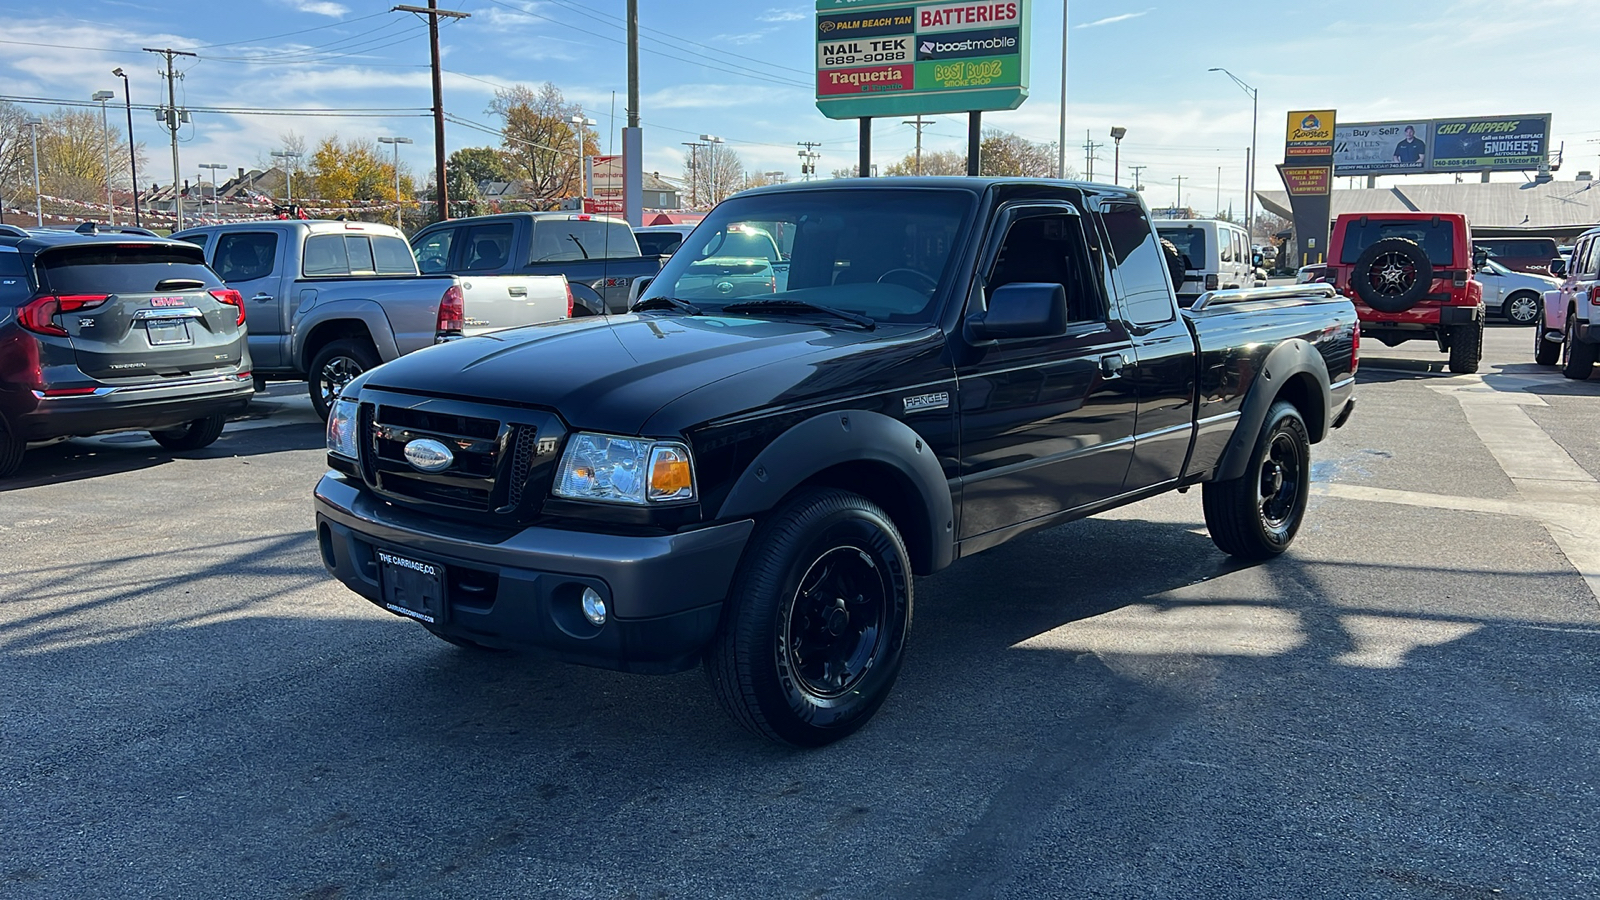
x=1355, y=348
x=1212, y=282
x=568, y=286
x=452, y=312
x=39, y=314
x=232, y=298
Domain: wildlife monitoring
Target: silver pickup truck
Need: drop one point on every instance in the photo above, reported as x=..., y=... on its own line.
x=325, y=301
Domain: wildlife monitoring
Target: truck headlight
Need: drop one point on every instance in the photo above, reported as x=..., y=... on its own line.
x=342, y=437
x=624, y=470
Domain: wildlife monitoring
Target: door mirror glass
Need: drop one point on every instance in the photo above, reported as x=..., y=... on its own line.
x=1022, y=309
x=1558, y=267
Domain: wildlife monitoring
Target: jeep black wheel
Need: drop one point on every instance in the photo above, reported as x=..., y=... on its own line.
x=1392, y=275
x=1577, y=357
x=1257, y=515
x=1466, y=348
x=1524, y=308
x=11, y=450
x=815, y=626
x=335, y=366
x=1545, y=351
x=193, y=436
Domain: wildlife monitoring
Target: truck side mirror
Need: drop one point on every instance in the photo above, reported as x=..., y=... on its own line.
x=1558, y=267
x=1021, y=309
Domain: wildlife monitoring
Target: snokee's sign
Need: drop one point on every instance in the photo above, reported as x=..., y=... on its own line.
x=893, y=59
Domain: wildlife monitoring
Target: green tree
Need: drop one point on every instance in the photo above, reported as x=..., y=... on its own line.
x=478, y=164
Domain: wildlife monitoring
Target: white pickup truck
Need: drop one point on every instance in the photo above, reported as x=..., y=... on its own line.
x=327, y=300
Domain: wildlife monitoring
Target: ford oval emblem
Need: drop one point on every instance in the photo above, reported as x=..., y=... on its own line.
x=428, y=455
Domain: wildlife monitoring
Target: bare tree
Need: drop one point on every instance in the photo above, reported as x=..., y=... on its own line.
x=941, y=162
x=712, y=172
x=541, y=141
x=1009, y=154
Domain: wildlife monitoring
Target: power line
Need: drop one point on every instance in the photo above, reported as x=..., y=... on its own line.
x=270, y=37
x=682, y=40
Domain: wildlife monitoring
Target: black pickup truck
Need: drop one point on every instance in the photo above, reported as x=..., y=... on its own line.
x=751, y=480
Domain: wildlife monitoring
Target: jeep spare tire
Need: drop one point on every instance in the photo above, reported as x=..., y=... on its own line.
x=1392, y=275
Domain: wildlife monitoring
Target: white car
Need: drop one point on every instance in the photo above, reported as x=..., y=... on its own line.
x=1517, y=296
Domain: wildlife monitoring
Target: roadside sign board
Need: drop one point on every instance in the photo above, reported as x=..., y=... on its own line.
x=1309, y=133
x=605, y=178
x=884, y=58
x=1307, y=181
x=1423, y=146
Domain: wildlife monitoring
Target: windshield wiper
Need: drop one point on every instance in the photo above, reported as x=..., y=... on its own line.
x=579, y=243
x=757, y=306
x=667, y=303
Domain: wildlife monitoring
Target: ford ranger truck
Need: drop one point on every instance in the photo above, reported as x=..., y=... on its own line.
x=752, y=482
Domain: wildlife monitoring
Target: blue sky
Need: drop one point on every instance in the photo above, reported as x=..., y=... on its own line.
x=742, y=70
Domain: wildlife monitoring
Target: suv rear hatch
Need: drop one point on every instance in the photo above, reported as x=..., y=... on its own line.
x=144, y=311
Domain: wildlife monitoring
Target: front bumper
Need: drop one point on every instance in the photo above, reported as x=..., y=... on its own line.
x=145, y=407
x=663, y=593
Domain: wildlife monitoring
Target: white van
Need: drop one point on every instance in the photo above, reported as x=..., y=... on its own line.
x=1219, y=255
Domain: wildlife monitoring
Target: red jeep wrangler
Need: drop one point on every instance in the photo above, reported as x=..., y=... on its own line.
x=1410, y=276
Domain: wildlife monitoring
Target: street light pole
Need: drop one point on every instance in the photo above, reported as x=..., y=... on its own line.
x=105, y=137
x=1117, y=134
x=579, y=123
x=713, y=141
x=216, y=202
x=1061, y=140
x=33, y=122
x=133, y=158
x=396, y=141
x=288, y=173
x=1250, y=174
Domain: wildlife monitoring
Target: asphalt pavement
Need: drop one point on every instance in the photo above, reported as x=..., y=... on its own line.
x=1404, y=705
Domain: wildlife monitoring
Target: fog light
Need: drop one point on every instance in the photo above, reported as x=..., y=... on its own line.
x=594, y=608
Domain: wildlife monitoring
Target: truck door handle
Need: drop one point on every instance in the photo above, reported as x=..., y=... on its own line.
x=262, y=297
x=1111, y=366
x=517, y=291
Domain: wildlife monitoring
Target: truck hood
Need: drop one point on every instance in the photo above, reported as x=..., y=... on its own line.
x=605, y=374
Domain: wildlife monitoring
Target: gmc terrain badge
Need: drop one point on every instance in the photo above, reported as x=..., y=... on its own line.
x=428, y=455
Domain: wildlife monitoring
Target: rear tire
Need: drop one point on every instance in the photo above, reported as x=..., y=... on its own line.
x=336, y=365
x=1257, y=515
x=1466, y=348
x=11, y=450
x=1545, y=352
x=1577, y=357
x=193, y=436
x=815, y=626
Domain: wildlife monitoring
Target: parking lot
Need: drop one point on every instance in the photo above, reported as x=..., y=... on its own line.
x=1406, y=704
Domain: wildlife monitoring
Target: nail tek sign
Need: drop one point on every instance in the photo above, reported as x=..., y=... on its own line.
x=879, y=58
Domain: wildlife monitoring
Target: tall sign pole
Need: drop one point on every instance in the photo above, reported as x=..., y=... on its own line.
x=441, y=190
x=632, y=137
x=1307, y=173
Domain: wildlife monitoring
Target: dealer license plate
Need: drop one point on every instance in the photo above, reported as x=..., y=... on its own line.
x=167, y=331
x=411, y=587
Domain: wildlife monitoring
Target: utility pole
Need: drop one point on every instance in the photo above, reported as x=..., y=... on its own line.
x=919, y=125
x=175, y=117
x=632, y=136
x=808, y=158
x=694, y=172
x=1089, y=148
x=441, y=191
x=1179, y=204
x=1219, y=192
x=1061, y=141
x=1136, y=170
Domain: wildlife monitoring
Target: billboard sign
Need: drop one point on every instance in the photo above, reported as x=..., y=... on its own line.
x=606, y=186
x=1421, y=146
x=1309, y=133
x=878, y=58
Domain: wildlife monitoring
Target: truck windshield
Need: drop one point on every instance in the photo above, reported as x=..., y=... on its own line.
x=1436, y=237
x=1191, y=242
x=877, y=253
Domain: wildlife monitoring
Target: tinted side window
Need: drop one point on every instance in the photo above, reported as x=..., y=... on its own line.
x=11, y=265
x=487, y=247
x=199, y=240
x=392, y=257
x=121, y=269
x=326, y=255
x=1050, y=249
x=433, y=252
x=659, y=243
x=1141, y=270
x=245, y=256
x=1225, y=242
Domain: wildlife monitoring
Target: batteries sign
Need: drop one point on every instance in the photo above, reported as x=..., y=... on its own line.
x=879, y=58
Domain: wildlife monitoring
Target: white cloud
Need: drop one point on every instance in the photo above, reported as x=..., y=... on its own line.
x=749, y=37
x=321, y=8
x=1111, y=19
x=783, y=15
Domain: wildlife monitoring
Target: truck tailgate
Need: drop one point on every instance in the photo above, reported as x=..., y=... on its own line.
x=507, y=301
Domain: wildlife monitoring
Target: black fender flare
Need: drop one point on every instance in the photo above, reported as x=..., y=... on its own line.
x=1288, y=361
x=851, y=436
x=585, y=301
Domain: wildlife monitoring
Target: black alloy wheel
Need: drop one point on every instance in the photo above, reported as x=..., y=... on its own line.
x=1257, y=515
x=1545, y=351
x=1577, y=357
x=1392, y=275
x=1523, y=308
x=814, y=628
x=335, y=366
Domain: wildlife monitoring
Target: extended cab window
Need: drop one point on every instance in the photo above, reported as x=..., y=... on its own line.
x=1437, y=240
x=880, y=253
x=245, y=256
x=1049, y=248
x=1141, y=270
x=488, y=247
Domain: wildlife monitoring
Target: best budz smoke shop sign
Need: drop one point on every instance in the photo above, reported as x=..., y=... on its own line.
x=897, y=59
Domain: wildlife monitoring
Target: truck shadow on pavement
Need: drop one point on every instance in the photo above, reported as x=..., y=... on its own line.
x=1108, y=708
x=79, y=459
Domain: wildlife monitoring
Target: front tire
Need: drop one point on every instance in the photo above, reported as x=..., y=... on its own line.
x=1257, y=515
x=815, y=626
x=1466, y=348
x=1545, y=352
x=196, y=435
x=1577, y=357
x=335, y=366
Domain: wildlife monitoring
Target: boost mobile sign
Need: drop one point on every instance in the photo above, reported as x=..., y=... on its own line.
x=1496, y=144
x=877, y=58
